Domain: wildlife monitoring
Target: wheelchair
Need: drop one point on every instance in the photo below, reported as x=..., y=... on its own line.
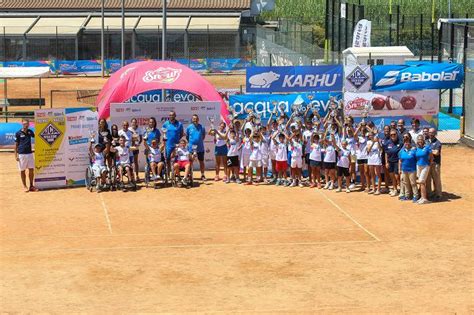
x=119, y=180
x=93, y=182
x=149, y=181
x=179, y=181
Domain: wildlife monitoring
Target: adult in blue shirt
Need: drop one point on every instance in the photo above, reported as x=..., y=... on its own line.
x=423, y=161
x=151, y=132
x=407, y=166
x=24, y=154
x=195, y=134
x=391, y=148
x=174, y=133
x=435, y=168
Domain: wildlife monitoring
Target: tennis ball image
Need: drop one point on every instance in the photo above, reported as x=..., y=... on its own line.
x=378, y=103
x=408, y=102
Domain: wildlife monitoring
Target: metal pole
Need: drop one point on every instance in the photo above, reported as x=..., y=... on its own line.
x=421, y=37
x=5, y=93
x=102, y=48
x=163, y=45
x=39, y=88
x=122, y=35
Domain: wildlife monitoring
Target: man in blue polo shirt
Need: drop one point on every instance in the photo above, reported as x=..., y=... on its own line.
x=24, y=154
x=392, y=147
x=174, y=132
x=195, y=134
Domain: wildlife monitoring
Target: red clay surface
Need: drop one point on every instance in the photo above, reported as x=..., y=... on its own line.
x=229, y=249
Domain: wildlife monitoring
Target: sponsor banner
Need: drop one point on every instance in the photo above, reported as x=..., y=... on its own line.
x=417, y=76
x=227, y=65
x=381, y=122
x=39, y=63
x=154, y=96
x=195, y=64
x=264, y=104
x=61, y=146
x=389, y=104
x=294, y=79
x=74, y=67
x=80, y=123
x=50, y=148
x=362, y=32
x=358, y=78
x=184, y=111
x=7, y=134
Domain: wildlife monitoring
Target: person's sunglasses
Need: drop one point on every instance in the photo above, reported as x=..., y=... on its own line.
x=393, y=134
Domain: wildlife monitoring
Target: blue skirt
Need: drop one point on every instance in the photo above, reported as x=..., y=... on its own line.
x=220, y=151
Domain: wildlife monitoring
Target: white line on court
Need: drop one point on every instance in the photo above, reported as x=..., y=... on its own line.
x=106, y=212
x=49, y=250
x=349, y=216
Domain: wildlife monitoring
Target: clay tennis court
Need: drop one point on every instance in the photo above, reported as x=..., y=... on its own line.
x=223, y=248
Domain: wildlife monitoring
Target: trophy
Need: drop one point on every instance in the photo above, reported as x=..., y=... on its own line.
x=194, y=148
x=92, y=135
x=258, y=120
x=281, y=108
x=145, y=134
x=275, y=107
x=211, y=120
x=104, y=135
x=333, y=107
x=366, y=111
x=164, y=131
x=281, y=128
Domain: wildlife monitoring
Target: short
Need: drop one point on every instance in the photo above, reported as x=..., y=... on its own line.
x=221, y=150
x=233, y=161
x=98, y=170
x=362, y=161
x=265, y=161
x=314, y=163
x=124, y=166
x=272, y=155
x=342, y=171
x=182, y=164
x=200, y=156
x=330, y=165
x=393, y=167
x=255, y=163
x=422, y=173
x=353, y=158
x=281, y=166
x=296, y=163
x=244, y=161
x=306, y=159
x=26, y=161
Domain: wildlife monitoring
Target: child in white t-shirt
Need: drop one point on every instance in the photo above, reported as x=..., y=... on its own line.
x=233, y=152
x=343, y=164
x=123, y=159
x=330, y=162
x=246, y=151
x=315, y=161
x=374, y=162
x=281, y=157
x=255, y=159
x=296, y=147
x=98, y=162
x=154, y=152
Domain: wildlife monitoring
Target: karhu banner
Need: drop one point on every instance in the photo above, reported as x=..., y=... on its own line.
x=294, y=79
x=417, y=76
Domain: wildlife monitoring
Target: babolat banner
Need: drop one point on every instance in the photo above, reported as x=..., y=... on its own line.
x=61, y=145
x=294, y=79
x=264, y=104
x=417, y=77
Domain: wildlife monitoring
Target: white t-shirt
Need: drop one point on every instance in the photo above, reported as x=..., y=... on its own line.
x=99, y=159
x=264, y=147
x=350, y=144
x=296, y=150
x=256, y=153
x=307, y=140
x=246, y=148
x=123, y=155
x=361, y=149
x=330, y=154
x=281, y=152
x=219, y=142
x=233, y=148
x=344, y=158
x=128, y=136
x=182, y=154
x=154, y=155
x=315, y=153
x=374, y=156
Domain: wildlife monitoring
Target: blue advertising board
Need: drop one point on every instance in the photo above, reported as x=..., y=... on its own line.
x=421, y=76
x=295, y=79
x=264, y=104
x=7, y=134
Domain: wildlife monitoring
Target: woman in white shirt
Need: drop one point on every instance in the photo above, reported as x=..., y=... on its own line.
x=330, y=161
x=220, y=149
x=360, y=146
x=315, y=161
x=374, y=161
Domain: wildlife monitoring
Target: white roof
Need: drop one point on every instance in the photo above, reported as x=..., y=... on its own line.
x=23, y=72
x=63, y=26
x=381, y=51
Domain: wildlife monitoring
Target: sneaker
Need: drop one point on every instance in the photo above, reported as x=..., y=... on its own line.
x=33, y=189
x=293, y=183
x=371, y=192
x=326, y=186
x=331, y=186
x=352, y=186
x=203, y=178
x=339, y=189
x=377, y=192
x=287, y=183
x=238, y=181
x=415, y=200
x=403, y=198
x=278, y=182
x=348, y=190
x=216, y=179
x=393, y=193
x=301, y=185
x=423, y=201
x=226, y=181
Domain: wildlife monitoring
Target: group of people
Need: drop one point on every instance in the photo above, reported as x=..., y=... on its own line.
x=328, y=152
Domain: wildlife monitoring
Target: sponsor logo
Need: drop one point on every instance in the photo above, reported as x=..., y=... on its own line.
x=263, y=80
x=265, y=108
x=162, y=75
x=358, y=103
x=71, y=118
x=357, y=77
x=195, y=108
x=390, y=78
x=309, y=80
x=40, y=114
x=50, y=134
x=125, y=73
x=136, y=110
x=119, y=110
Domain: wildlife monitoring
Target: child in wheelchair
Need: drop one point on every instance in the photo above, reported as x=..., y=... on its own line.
x=123, y=163
x=154, y=163
x=97, y=157
x=183, y=162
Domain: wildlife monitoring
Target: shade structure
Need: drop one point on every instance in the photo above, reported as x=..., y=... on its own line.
x=143, y=76
x=23, y=72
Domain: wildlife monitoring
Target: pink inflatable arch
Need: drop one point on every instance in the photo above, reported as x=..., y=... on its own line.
x=145, y=76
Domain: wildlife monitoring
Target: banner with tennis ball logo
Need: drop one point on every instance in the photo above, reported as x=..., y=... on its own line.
x=61, y=155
